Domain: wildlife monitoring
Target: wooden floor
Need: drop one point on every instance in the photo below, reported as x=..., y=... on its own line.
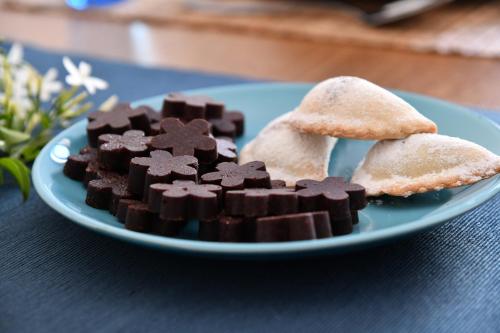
x=470, y=81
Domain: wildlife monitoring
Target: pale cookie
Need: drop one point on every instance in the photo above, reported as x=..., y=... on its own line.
x=423, y=162
x=289, y=154
x=351, y=107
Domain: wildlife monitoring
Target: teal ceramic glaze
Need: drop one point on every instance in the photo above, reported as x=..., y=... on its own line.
x=383, y=220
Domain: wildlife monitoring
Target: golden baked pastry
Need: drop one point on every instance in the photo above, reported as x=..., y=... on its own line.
x=423, y=162
x=351, y=107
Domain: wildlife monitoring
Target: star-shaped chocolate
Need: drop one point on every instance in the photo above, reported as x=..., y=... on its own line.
x=116, y=121
x=160, y=167
x=261, y=202
x=191, y=107
x=334, y=195
x=191, y=139
x=115, y=151
x=232, y=176
x=106, y=192
x=184, y=200
x=76, y=165
x=231, y=124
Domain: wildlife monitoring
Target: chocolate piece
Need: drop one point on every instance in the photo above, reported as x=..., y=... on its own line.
x=92, y=171
x=261, y=202
x=154, y=119
x=153, y=115
x=191, y=139
x=139, y=218
x=230, y=229
x=226, y=151
x=75, y=166
x=187, y=108
x=185, y=200
x=208, y=230
x=116, y=121
x=136, y=215
x=167, y=227
x=122, y=208
x=192, y=107
x=106, y=192
x=232, y=176
x=322, y=224
x=334, y=195
x=223, y=229
x=292, y=227
x=231, y=124
x=155, y=128
x=161, y=167
x=278, y=183
x=116, y=151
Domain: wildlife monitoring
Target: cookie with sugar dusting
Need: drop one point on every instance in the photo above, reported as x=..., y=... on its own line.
x=422, y=163
x=351, y=107
x=289, y=154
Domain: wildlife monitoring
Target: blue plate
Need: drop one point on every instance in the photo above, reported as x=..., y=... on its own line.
x=383, y=220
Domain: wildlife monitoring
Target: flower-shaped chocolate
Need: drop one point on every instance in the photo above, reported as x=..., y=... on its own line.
x=106, y=192
x=115, y=151
x=160, y=167
x=184, y=200
x=191, y=139
x=230, y=124
x=232, y=176
x=116, y=121
x=257, y=202
x=191, y=107
x=342, y=200
x=76, y=165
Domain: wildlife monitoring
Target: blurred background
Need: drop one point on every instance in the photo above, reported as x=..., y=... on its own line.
x=448, y=49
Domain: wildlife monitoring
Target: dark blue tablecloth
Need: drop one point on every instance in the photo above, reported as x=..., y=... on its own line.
x=58, y=277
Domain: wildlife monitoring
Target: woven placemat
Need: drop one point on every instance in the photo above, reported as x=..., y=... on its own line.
x=466, y=28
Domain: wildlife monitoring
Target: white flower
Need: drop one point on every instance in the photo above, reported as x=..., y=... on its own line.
x=15, y=55
x=81, y=76
x=20, y=96
x=49, y=85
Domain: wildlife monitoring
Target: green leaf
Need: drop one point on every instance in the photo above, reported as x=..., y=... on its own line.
x=1, y=176
x=73, y=102
x=19, y=171
x=33, y=121
x=45, y=120
x=12, y=137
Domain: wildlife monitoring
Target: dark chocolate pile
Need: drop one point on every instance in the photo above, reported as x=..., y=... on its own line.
x=155, y=171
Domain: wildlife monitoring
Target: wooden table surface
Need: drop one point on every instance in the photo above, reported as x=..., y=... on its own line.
x=470, y=81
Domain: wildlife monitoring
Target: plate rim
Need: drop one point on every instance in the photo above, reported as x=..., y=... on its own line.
x=245, y=249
